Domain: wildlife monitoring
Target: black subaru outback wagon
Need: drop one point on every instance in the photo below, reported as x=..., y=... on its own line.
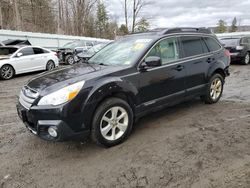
x=129, y=78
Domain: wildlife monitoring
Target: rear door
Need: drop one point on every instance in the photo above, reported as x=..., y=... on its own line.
x=197, y=60
x=166, y=83
x=40, y=58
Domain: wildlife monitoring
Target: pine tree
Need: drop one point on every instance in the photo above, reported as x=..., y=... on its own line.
x=221, y=27
x=234, y=25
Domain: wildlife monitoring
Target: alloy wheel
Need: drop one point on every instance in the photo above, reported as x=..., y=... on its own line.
x=50, y=66
x=114, y=123
x=7, y=72
x=71, y=60
x=247, y=58
x=216, y=89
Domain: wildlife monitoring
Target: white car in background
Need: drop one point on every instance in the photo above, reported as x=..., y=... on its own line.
x=22, y=59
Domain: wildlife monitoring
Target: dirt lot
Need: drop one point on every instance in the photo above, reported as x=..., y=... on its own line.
x=190, y=145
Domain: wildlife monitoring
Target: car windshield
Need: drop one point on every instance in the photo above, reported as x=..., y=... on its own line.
x=122, y=52
x=230, y=41
x=74, y=44
x=96, y=48
x=7, y=51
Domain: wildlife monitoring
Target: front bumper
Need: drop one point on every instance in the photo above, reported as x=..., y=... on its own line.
x=36, y=122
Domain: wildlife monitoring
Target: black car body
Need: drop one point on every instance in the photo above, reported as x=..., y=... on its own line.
x=239, y=48
x=66, y=53
x=139, y=73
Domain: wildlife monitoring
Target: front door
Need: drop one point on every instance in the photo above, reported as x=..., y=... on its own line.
x=166, y=83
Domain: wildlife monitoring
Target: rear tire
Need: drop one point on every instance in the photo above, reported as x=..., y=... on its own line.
x=50, y=65
x=214, y=89
x=246, y=59
x=112, y=122
x=7, y=72
x=70, y=59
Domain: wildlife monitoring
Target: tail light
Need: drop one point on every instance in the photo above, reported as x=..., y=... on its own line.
x=227, y=53
x=56, y=54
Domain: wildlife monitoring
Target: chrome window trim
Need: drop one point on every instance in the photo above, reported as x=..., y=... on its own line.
x=181, y=60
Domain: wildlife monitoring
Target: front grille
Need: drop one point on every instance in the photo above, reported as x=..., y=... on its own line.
x=27, y=97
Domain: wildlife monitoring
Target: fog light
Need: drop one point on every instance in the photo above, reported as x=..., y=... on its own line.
x=52, y=132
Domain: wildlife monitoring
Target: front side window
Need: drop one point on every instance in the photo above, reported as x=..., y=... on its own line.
x=192, y=46
x=27, y=51
x=212, y=44
x=167, y=50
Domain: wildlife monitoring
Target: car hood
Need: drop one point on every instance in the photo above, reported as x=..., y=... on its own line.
x=54, y=80
x=4, y=57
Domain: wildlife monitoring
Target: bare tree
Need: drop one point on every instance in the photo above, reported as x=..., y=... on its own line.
x=138, y=6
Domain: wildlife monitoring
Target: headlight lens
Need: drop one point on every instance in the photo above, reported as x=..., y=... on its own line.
x=62, y=96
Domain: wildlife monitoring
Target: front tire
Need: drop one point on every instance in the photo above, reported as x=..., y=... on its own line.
x=70, y=59
x=246, y=59
x=112, y=122
x=6, y=72
x=214, y=89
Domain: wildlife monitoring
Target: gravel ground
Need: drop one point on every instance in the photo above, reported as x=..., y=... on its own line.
x=189, y=145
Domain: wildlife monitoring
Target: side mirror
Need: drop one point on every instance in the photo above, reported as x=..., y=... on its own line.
x=153, y=61
x=19, y=54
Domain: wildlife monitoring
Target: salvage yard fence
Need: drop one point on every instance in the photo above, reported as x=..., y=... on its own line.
x=50, y=41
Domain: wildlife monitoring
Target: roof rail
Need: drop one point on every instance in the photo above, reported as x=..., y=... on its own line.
x=185, y=30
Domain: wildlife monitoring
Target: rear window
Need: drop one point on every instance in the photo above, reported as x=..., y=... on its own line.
x=7, y=51
x=230, y=41
x=192, y=45
x=212, y=44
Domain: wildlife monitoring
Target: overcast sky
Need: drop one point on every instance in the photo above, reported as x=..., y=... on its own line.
x=195, y=13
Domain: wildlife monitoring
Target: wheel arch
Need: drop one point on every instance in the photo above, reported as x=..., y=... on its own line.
x=117, y=88
x=11, y=66
x=219, y=68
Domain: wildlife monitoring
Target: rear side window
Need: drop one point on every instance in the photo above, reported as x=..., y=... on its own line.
x=27, y=51
x=192, y=46
x=212, y=44
x=166, y=49
x=38, y=51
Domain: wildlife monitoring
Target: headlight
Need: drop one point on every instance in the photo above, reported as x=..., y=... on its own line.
x=62, y=96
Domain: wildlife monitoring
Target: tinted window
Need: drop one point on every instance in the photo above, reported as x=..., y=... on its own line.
x=192, y=45
x=38, y=51
x=212, y=44
x=27, y=51
x=7, y=51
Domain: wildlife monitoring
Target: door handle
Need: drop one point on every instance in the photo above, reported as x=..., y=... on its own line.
x=179, y=68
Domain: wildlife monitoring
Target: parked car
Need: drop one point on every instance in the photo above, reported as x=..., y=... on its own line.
x=22, y=59
x=239, y=48
x=65, y=53
x=84, y=56
x=129, y=78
